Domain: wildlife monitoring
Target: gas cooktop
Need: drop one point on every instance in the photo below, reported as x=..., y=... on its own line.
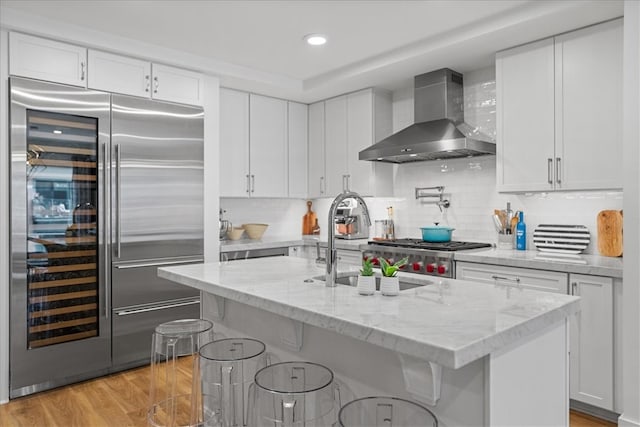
x=440, y=246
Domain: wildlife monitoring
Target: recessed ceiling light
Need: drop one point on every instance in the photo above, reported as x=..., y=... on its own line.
x=315, y=39
x=57, y=131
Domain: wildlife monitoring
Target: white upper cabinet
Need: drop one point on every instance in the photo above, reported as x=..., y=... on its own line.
x=589, y=108
x=559, y=112
x=335, y=110
x=119, y=74
x=316, y=182
x=234, y=143
x=525, y=117
x=177, y=85
x=268, y=153
x=254, y=145
x=298, y=149
x=57, y=62
x=351, y=123
x=48, y=60
x=130, y=76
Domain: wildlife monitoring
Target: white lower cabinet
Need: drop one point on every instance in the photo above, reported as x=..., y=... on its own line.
x=345, y=256
x=538, y=280
x=591, y=349
x=591, y=330
x=349, y=257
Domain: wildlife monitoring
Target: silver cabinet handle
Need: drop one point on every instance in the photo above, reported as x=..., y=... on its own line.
x=248, y=184
x=156, y=84
x=253, y=183
x=155, y=308
x=322, y=185
x=118, y=200
x=159, y=263
x=574, y=288
x=558, y=170
x=344, y=185
x=507, y=279
x=82, y=73
x=147, y=80
x=549, y=171
x=107, y=264
x=349, y=182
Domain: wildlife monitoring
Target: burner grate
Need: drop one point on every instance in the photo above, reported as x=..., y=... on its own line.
x=438, y=246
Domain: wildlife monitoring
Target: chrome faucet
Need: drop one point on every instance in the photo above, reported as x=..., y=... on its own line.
x=331, y=255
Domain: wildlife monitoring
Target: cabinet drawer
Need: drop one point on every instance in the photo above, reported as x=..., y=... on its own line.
x=132, y=329
x=346, y=256
x=132, y=285
x=539, y=280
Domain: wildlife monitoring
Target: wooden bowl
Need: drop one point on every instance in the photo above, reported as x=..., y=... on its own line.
x=255, y=231
x=235, y=233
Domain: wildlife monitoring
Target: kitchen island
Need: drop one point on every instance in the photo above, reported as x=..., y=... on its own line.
x=478, y=354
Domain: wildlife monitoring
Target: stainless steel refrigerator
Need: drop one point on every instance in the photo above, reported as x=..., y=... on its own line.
x=105, y=189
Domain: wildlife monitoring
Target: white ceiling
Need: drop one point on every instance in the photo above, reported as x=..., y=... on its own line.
x=257, y=45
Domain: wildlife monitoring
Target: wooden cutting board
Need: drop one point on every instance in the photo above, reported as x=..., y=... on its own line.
x=610, y=233
x=308, y=220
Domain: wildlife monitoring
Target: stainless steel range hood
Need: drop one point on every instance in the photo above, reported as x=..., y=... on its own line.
x=439, y=131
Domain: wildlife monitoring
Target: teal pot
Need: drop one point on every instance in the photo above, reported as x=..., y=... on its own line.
x=437, y=233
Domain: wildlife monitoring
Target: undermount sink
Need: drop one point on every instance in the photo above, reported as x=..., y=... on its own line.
x=351, y=279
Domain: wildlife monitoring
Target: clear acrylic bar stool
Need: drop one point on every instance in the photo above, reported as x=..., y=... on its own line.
x=385, y=412
x=294, y=394
x=174, y=347
x=228, y=367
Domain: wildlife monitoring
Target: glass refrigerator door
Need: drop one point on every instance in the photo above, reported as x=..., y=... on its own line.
x=60, y=329
x=62, y=229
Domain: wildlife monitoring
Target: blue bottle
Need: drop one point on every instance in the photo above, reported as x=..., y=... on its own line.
x=521, y=233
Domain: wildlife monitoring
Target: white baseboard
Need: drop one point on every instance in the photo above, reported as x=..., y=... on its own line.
x=623, y=422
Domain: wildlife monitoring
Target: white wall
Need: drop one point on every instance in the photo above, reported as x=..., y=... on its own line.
x=631, y=275
x=211, y=161
x=284, y=216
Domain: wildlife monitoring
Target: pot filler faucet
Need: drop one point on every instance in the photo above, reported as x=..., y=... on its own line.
x=331, y=256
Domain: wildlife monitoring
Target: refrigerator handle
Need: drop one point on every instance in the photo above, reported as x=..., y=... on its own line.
x=117, y=210
x=106, y=266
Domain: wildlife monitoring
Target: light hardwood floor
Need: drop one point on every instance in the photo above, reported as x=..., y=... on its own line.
x=118, y=400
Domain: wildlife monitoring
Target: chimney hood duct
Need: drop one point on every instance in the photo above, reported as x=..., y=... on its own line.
x=439, y=131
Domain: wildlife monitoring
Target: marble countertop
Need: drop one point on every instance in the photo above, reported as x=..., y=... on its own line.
x=449, y=322
x=596, y=265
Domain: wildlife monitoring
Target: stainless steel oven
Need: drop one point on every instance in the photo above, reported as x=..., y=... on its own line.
x=432, y=259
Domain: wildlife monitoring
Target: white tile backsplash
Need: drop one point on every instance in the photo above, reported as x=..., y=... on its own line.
x=284, y=216
x=470, y=185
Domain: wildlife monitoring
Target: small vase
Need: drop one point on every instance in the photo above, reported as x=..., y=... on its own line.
x=366, y=285
x=389, y=286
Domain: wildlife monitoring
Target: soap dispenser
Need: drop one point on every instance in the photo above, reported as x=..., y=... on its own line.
x=521, y=233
